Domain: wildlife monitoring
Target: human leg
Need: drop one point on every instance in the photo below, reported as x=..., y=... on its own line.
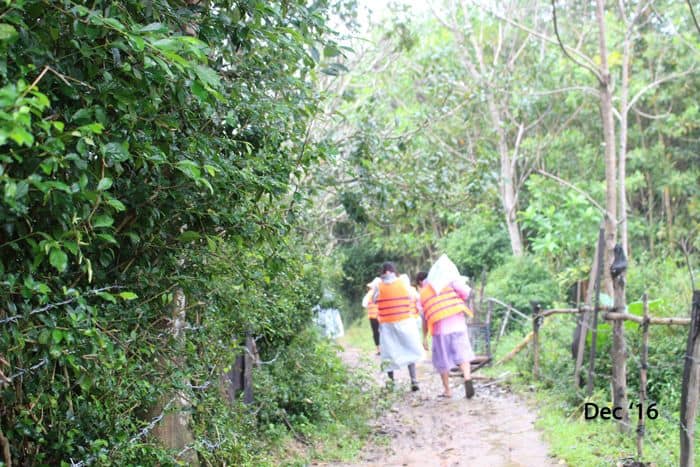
x=412, y=374
x=445, y=377
x=374, y=323
x=468, y=385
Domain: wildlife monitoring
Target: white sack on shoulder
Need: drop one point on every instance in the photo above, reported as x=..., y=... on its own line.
x=442, y=273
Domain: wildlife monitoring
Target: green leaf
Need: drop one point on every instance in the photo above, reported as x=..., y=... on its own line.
x=207, y=75
x=188, y=236
x=115, y=151
x=128, y=295
x=8, y=33
x=154, y=27
x=102, y=220
x=57, y=336
x=211, y=170
x=107, y=237
x=199, y=91
x=70, y=246
x=58, y=259
x=21, y=136
x=189, y=168
x=107, y=296
x=116, y=204
x=105, y=184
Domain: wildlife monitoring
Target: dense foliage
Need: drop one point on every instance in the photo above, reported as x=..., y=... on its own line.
x=144, y=147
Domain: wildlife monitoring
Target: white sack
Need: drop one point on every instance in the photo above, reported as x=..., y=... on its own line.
x=442, y=273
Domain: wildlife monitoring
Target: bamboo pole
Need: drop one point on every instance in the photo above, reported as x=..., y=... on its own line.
x=517, y=349
x=616, y=316
x=643, y=379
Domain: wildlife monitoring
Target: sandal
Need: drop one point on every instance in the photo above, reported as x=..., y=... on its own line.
x=468, y=389
x=444, y=396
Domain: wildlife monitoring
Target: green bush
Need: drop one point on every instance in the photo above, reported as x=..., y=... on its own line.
x=476, y=247
x=307, y=383
x=519, y=281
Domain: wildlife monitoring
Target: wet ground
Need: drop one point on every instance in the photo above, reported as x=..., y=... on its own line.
x=495, y=428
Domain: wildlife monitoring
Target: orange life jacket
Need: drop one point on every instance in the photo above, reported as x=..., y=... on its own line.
x=413, y=305
x=394, y=302
x=372, y=310
x=440, y=306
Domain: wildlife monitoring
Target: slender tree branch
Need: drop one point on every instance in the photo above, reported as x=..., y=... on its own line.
x=692, y=13
x=652, y=117
x=656, y=83
x=561, y=45
x=575, y=188
x=544, y=37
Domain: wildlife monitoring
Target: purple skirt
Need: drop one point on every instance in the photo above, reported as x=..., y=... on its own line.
x=450, y=350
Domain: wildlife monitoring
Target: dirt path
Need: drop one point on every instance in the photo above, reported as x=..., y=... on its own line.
x=493, y=429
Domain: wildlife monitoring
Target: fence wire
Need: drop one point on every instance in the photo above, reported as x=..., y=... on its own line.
x=661, y=441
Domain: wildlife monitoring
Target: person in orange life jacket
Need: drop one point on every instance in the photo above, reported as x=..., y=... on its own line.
x=399, y=337
x=372, y=314
x=444, y=319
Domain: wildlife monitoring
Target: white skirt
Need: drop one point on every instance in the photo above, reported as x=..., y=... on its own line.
x=400, y=344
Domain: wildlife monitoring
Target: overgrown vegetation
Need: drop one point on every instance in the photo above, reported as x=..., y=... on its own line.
x=145, y=147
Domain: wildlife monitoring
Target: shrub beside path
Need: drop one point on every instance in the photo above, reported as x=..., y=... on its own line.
x=495, y=428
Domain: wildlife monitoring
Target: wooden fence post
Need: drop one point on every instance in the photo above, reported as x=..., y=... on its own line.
x=481, y=290
x=240, y=376
x=505, y=323
x=691, y=386
x=643, y=379
x=489, y=314
x=536, y=322
x=618, y=352
x=173, y=431
x=585, y=319
x=596, y=303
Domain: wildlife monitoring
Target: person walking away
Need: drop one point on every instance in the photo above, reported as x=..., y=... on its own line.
x=444, y=319
x=399, y=337
x=372, y=313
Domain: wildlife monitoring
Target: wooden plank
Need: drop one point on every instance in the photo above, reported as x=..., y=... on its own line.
x=616, y=316
x=691, y=386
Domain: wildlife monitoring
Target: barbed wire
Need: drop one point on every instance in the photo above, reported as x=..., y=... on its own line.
x=51, y=306
x=23, y=371
x=144, y=431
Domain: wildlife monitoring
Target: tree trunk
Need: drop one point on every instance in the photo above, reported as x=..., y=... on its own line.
x=622, y=158
x=507, y=183
x=609, y=141
x=669, y=214
x=650, y=212
x=618, y=353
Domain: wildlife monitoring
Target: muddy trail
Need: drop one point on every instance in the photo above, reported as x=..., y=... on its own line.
x=495, y=428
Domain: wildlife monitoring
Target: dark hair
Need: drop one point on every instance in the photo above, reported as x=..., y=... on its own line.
x=421, y=276
x=388, y=267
